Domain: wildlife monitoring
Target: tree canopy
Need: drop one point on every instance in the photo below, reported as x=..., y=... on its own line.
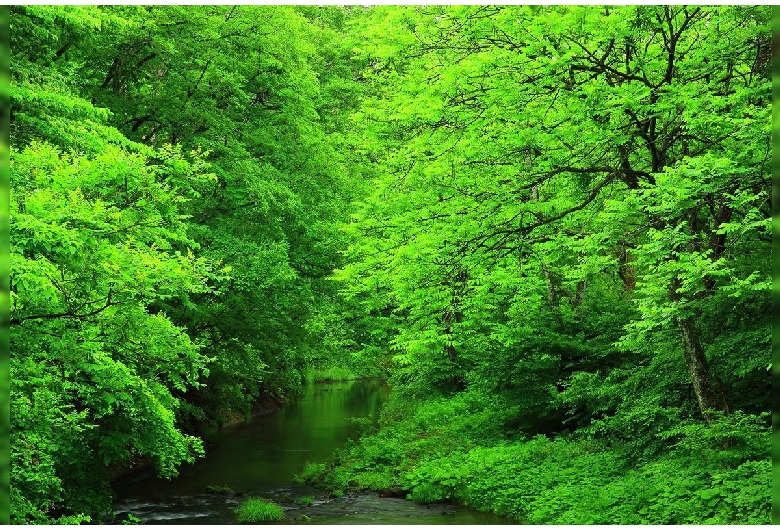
x=550, y=226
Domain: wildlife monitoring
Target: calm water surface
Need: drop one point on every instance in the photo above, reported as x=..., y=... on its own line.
x=261, y=457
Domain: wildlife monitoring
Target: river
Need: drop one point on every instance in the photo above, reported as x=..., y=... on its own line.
x=261, y=457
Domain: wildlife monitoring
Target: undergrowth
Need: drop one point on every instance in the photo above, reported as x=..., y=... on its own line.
x=453, y=451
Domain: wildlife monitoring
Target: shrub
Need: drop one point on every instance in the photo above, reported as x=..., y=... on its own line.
x=426, y=494
x=254, y=510
x=306, y=500
x=330, y=374
x=312, y=472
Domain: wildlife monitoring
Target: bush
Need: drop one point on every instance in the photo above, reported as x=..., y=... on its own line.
x=306, y=500
x=254, y=510
x=312, y=472
x=426, y=494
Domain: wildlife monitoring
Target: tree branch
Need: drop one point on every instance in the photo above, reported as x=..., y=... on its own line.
x=67, y=314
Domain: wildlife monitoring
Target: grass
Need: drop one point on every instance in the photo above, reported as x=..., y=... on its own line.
x=306, y=500
x=255, y=510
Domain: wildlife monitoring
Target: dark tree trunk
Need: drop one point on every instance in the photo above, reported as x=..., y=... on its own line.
x=579, y=295
x=454, y=312
x=698, y=368
x=552, y=284
x=626, y=270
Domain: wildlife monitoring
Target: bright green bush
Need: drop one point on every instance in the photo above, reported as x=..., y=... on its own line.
x=312, y=471
x=331, y=373
x=255, y=510
x=426, y=494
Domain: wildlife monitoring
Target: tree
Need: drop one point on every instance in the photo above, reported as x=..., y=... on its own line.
x=179, y=173
x=93, y=247
x=488, y=176
x=247, y=85
x=97, y=241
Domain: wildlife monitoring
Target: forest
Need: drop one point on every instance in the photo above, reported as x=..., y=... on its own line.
x=548, y=227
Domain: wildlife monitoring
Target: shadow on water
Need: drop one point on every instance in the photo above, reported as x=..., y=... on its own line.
x=262, y=456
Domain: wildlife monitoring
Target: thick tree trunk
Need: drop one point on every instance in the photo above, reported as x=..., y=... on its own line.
x=698, y=368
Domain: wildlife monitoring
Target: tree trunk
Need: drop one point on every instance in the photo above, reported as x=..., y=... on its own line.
x=626, y=270
x=698, y=368
x=579, y=296
x=552, y=292
x=455, y=312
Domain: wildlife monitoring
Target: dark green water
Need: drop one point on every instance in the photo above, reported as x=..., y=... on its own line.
x=261, y=457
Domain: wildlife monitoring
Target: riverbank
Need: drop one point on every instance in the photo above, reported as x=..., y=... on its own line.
x=349, y=371
x=260, y=458
x=263, y=406
x=458, y=450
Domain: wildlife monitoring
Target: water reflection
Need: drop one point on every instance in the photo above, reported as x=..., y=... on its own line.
x=262, y=456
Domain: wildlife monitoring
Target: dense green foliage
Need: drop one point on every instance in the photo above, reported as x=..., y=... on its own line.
x=5, y=372
x=567, y=244
x=460, y=449
x=178, y=180
x=551, y=225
